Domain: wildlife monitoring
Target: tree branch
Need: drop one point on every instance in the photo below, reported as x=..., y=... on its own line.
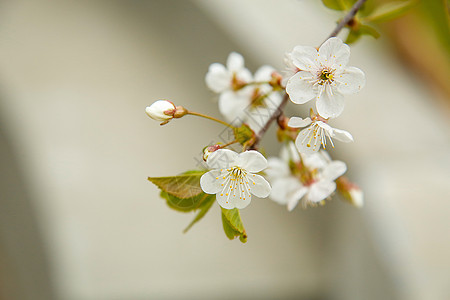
x=348, y=17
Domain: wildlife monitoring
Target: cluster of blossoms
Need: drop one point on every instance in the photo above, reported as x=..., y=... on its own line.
x=304, y=170
x=244, y=98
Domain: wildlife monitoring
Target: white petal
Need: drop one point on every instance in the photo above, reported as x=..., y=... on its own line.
x=211, y=182
x=342, y=135
x=235, y=62
x=258, y=185
x=334, y=53
x=244, y=75
x=282, y=187
x=276, y=168
x=264, y=73
x=233, y=105
x=230, y=201
x=252, y=161
x=315, y=160
x=321, y=190
x=218, y=78
x=295, y=197
x=304, y=58
x=306, y=142
x=330, y=104
x=351, y=80
x=296, y=122
x=333, y=170
x=300, y=88
x=234, y=194
x=222, y=159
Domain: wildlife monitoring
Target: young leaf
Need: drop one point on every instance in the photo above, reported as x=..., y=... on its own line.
x=185, y=204
x=355, y=35
x=369, y=30
x=338, y=4
x=204, y=208
x=186, y=185
x=390, y=11
x=243, y=134
x=232, y=224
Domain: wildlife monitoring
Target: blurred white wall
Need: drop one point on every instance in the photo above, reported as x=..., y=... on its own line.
x=75, y=78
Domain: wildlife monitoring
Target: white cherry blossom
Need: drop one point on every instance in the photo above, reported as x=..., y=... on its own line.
x=232, y=77
x=232, y=177
x=325, y=76
x=253, y=104
x=310, y=179
x=312, y=138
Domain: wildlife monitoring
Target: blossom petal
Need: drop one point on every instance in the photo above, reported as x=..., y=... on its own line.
x=232, y=106
x=333, y=170
x=295, y=197
x=222, y=159
x=252, y=161
x=351, y=80
x=235, y=62
x=259, y=185
x=218, y=79
x=300, y=88
x=321, y=190
x=296, y=122
x=342, y=135
x=307, y=142
x=264, y=73
x=304, y=58
x=334, y=53
x=330, y=104
x=211, y=182
x=282, y=187
x=276, y=168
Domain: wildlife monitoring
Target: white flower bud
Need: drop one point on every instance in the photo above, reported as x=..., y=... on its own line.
x=208, y=150
x=161, y=110
x=357, y=197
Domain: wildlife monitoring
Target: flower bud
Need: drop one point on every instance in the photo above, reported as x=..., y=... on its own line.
x=208, y=150
x=161, y=110
x=350, y=191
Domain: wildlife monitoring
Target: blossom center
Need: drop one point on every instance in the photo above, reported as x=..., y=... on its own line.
x=237, y=173
x=326, y=76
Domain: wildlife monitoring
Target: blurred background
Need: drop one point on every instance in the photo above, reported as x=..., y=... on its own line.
x=79, y=220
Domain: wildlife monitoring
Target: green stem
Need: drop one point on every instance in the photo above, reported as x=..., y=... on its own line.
x=210, y=118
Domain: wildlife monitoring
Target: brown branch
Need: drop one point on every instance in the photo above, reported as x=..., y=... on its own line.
x=348, y=17
x=274, y=116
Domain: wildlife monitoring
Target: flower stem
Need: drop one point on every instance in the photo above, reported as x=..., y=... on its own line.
x=348, y=17
x=228, y=144
x=210, y=118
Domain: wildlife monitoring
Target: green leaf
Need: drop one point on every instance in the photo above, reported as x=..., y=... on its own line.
x=232, y=224
x=369, y=30
x=186, y=185
x=390, y=11
x=355, y=35
x=339, y=4
x=205, y=205
x=243, y=134
x=185, y=204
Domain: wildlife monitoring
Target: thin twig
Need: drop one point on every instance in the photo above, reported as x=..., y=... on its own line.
x=266, y=126
x=348, y=17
